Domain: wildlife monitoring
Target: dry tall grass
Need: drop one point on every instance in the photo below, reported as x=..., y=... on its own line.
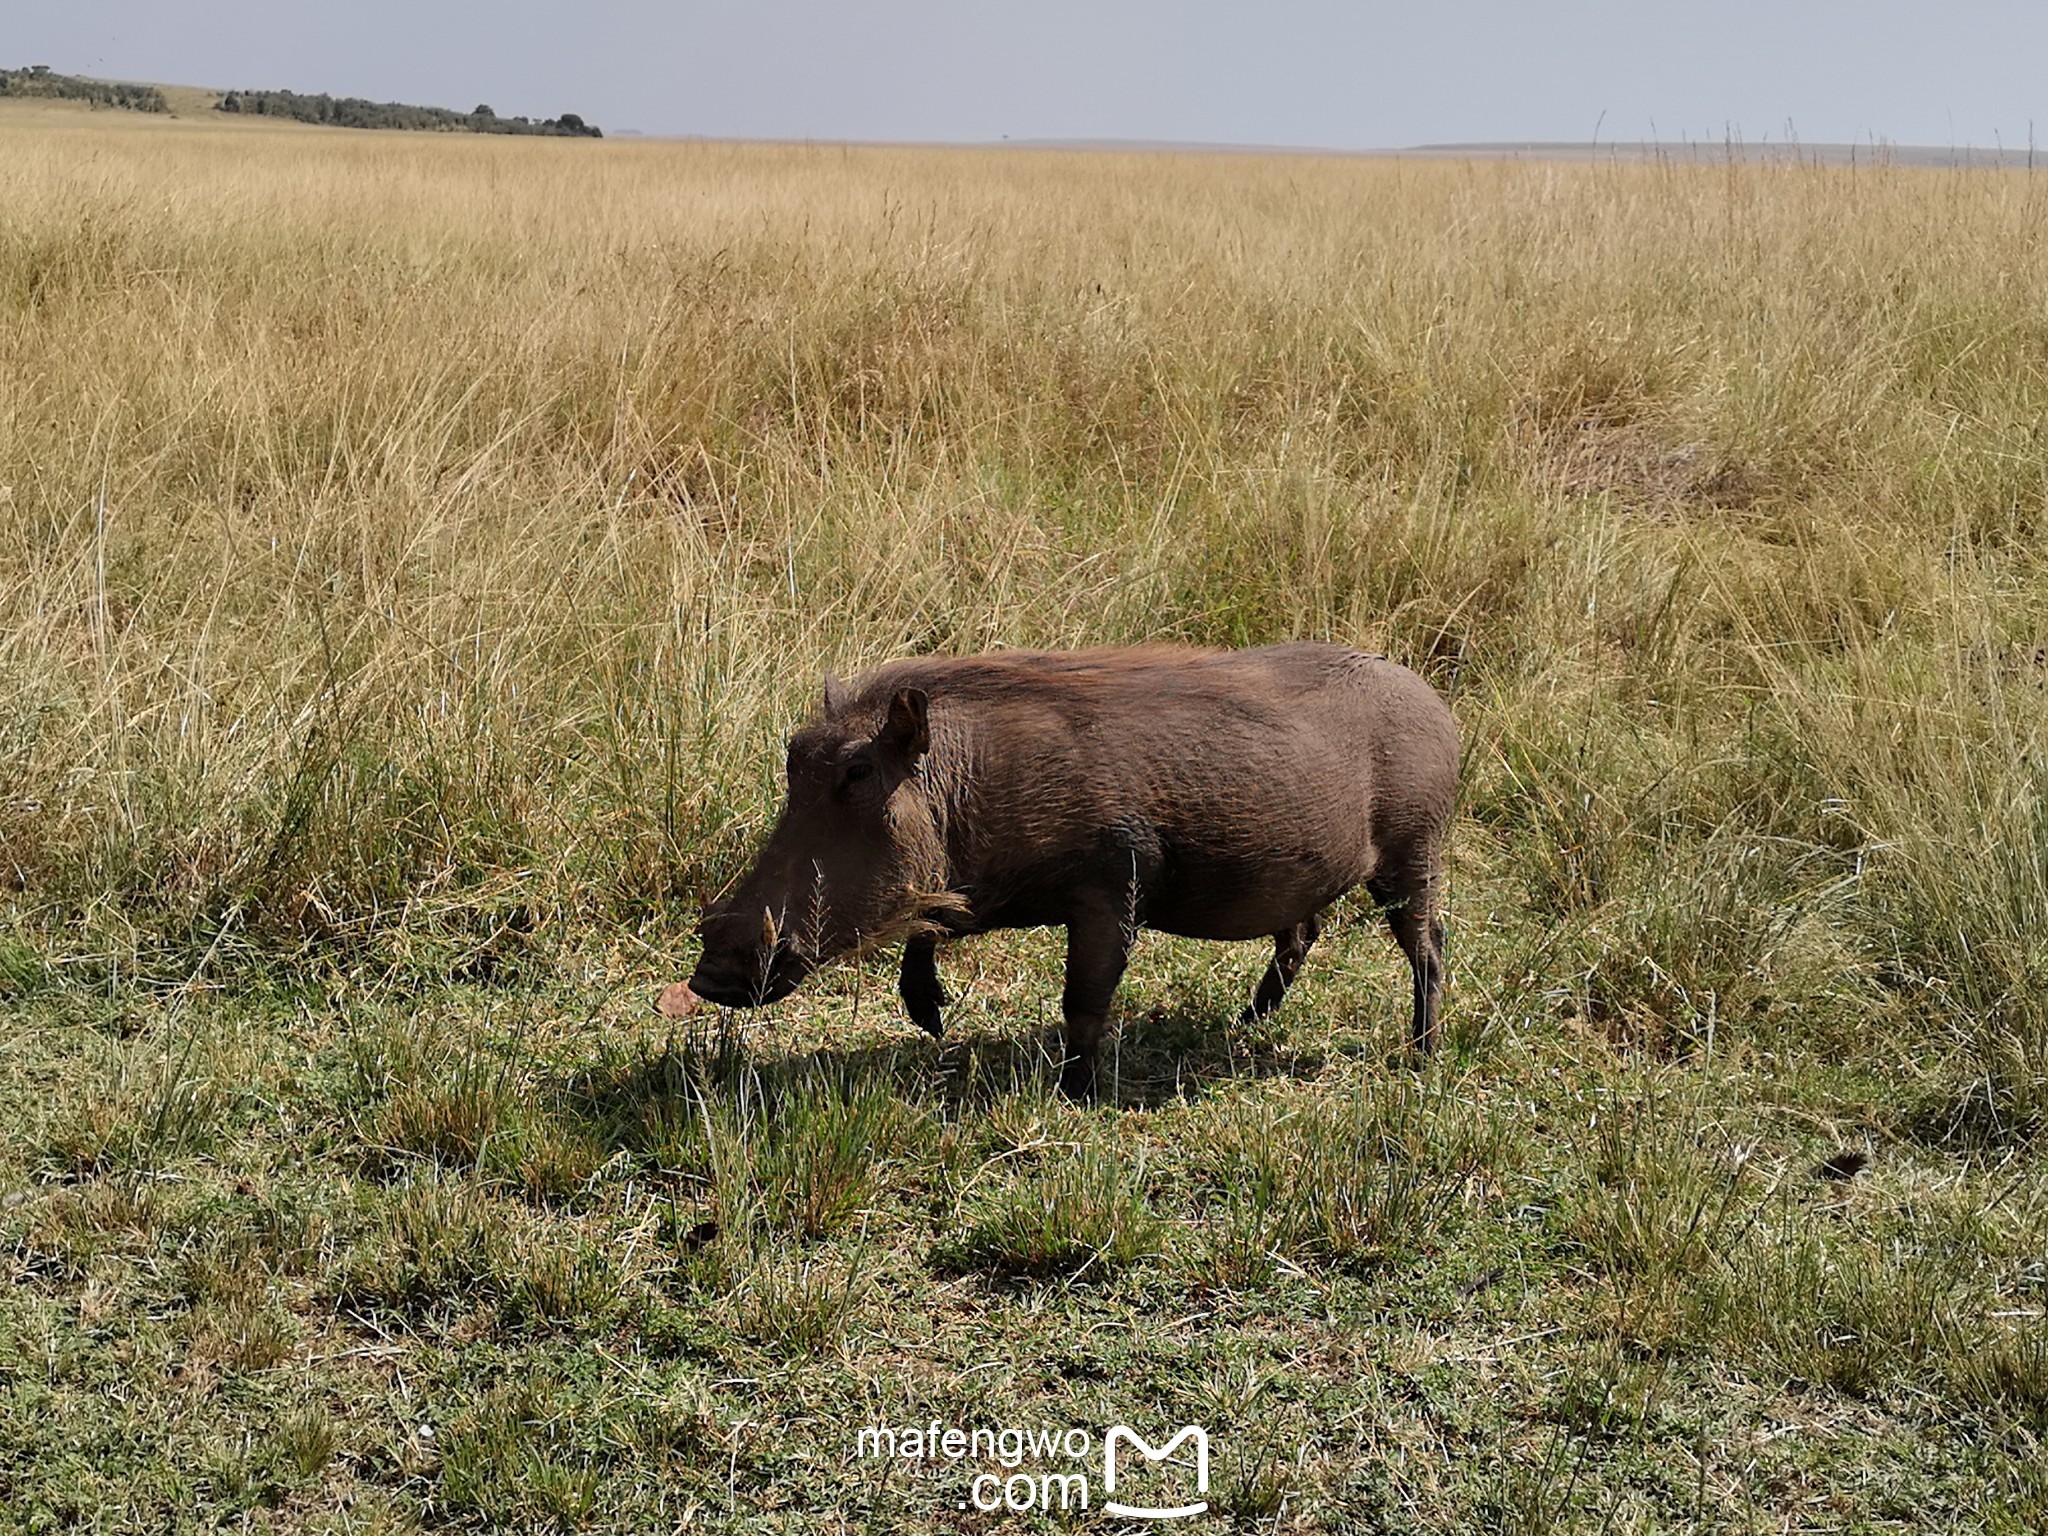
x=416, y=545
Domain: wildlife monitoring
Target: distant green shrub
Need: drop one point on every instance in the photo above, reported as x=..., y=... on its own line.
x=39, y=80
x=354, y=112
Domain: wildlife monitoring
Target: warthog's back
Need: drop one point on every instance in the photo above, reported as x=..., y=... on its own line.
x=1235, y=793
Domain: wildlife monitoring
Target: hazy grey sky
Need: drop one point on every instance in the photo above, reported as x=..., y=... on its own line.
x=1301, y=72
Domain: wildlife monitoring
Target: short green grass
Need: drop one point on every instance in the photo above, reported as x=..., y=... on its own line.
x=537, y=1258
x=416, y=552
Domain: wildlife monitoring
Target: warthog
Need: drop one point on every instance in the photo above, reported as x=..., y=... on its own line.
x=1215, y=794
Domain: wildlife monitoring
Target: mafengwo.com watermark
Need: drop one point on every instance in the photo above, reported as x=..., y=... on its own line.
x=1015, y=1470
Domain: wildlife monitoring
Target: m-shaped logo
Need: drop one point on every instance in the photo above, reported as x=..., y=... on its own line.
x=1123, y=1432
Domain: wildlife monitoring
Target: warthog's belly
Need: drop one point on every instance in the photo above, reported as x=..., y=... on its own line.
x=1217, y=899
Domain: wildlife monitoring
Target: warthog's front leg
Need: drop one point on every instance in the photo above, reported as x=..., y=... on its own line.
x=1098, y=947
x=923, y=993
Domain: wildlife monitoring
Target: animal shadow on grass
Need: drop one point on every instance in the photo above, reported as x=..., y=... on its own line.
x=1155, y=1058
x=1158, y=1057
x=1151, y=1059
x=1182, y=1053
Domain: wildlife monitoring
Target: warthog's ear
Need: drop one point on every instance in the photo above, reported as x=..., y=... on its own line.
x=837, y=696
x=908, y=728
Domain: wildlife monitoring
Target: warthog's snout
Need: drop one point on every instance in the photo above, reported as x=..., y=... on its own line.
x=746, y=965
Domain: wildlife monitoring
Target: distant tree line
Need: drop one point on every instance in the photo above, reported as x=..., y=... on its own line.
x=354, y=112
x=39, y=80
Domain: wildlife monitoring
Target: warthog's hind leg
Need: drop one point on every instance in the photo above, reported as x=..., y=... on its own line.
x=1290, y=948
x=1410, y=896
x=923, y=993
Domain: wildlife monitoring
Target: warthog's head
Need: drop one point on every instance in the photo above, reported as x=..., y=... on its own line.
x=854, y=858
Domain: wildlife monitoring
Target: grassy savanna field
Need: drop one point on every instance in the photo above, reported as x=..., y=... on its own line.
x=414, y=551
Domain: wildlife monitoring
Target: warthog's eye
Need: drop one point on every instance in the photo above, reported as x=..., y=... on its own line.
x=858, y=770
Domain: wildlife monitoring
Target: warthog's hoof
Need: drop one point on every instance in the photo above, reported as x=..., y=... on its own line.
x=1077, y=1079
